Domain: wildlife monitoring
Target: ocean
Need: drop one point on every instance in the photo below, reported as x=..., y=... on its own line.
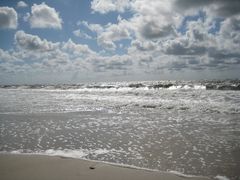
x=192, y=127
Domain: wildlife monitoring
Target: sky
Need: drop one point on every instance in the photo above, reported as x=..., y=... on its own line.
x=76, y=41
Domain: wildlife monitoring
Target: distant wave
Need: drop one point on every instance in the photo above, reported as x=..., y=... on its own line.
x=171, y=85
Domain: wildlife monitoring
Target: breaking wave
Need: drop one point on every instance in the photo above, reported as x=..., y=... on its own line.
x=155, y=85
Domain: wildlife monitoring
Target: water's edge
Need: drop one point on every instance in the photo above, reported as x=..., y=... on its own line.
x=108, y=163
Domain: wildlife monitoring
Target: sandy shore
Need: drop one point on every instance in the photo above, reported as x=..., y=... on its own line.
x=29, y=167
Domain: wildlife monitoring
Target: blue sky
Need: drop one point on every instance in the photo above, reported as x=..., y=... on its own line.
x=72, y=41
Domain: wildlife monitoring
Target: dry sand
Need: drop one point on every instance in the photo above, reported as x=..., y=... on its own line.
x=39, y=167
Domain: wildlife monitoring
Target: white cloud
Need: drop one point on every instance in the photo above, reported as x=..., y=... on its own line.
x=197, y=30
x=154, y=19
x=116, y=32
x=26, y=17
x=43, y=16
x=105, y=6
x=108, y=63
x=108, y=34
x=143, y=45
x=33, y=43
x=157, y=19
x=97, y=28
x=5, y=56
x=47, y=55
x=22, y=4
x=44, y=57
x=153, y=30
x=106, y=44
x=158, y=39
x=81, y=34
x=57, y=60
x=196, y=40
x=112, y=33
x=151, y=20
x=77, y=49
x=230, y=32
x=8, y=18
x=219, y=8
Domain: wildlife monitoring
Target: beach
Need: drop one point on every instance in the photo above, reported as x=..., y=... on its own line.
x=28, y=167
x=111, y=89
x=165, y=126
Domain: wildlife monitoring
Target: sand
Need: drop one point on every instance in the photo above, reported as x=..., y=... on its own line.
x=40, y=167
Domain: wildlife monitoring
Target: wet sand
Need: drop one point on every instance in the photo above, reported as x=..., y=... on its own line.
x=28, y=167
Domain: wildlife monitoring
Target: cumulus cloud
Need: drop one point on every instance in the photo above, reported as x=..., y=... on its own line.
x=143, y=45
x=116, y=32
x=5, y=56
x=183, y=48
x=151, y=20
x=218, y=8
x=8, y=18
x=105, y=6
x=154, y=26
x=81, y=34
x=77, y=49
x=22, y=4
x=145, y=61
x=97, y=28
x=107, y=35
x=196, y=40
x=33, y=43
x=43, y=16
x=152, y=30
x=157, y=19
x=230, y=30
x=48, y=54
x=57, y=60
x=37, y=55
x=154, y=19
x=160, y=36
x=106, y=44
x=197, y=47
x=116, y=62
x=112, y=33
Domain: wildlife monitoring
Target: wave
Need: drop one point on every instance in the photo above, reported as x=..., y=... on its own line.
x=77, y=153
x=233, y=85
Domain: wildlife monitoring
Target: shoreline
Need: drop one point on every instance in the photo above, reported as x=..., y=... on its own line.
x=29, y=166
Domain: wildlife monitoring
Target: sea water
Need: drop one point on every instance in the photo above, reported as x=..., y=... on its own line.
x=189, y=127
